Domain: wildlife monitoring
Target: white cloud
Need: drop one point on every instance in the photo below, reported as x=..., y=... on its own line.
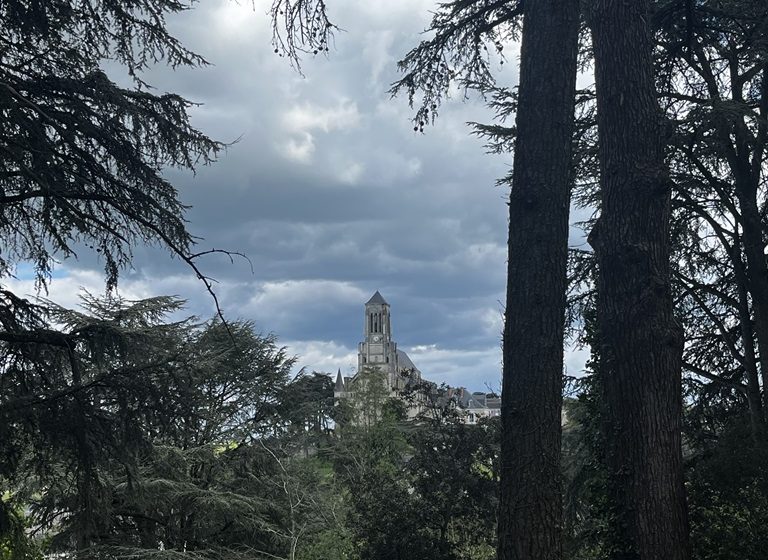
x=237, y=22
x=323, y=356
x=352, y=173
x=282, y=305
x=304, y=121
x=300, y=147
x=575, y=360
x=492, y=320
x=65, y=289
x=476, y=369
x=377, y=53
x=309, y=116
x=302, y=292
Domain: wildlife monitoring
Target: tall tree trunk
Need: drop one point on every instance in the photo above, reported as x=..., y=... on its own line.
x=756, y=270
x=757, y=420
x=746, y=161
x=641, y=342
x=530, y=514
x=744, y=154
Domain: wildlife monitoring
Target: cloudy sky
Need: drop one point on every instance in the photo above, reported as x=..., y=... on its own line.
x=332, y=196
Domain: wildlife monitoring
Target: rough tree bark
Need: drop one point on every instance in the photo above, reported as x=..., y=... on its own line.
x=641, y=342
x=745, y=159
x=757, y=420
x=530, y=514
x=756, y=270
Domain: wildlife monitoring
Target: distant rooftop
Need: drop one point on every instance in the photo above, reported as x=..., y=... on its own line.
x=377, y=299
x=339, y=387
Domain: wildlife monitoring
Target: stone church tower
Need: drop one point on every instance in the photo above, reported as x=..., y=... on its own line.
x=379, y=350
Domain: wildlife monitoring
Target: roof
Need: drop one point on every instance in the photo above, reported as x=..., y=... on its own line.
x=339, y=387
x=404, y=362
x=478, y=399
x=377, y=299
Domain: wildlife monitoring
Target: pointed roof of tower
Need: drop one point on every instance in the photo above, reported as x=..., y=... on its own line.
x=377, y=299
x=339, y=387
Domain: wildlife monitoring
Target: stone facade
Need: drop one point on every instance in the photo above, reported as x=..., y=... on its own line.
x=378, y=350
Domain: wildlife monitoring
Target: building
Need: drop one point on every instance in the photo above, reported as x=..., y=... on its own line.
x=378, y=350
x=477, y=405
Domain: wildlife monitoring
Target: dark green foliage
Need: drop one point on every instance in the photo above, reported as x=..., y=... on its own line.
x=727, y=479
x=154, y=431
x=455, y=470
x=81, y=161
x=459, y=53
x=307, y=403
x=423, y=489
x=585, y=503
x=728, y=526
x=15, y=541
x=81, y=156
x=81, y=399
x=583, y=460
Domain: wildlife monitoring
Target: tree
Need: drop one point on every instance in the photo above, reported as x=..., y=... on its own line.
x=176, y=433
x=420, y=488
x=81, y=161
x=369, y=398
x=712, y=85
x=641, y=341
x=81, y=398
x=82, y=156
x=530, y=509
x=455, y=474
x=307, y=405
x=530, y=514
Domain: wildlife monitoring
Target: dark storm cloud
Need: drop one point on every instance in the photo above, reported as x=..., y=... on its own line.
x=332, y=195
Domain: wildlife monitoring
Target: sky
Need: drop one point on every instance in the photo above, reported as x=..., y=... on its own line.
x=332, y=195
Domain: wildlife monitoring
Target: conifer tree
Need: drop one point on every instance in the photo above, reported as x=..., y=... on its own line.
x=641, y=341
x=530, y=518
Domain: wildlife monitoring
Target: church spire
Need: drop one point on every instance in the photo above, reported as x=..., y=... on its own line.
x=339, y=387
x=377, y=325
x=377, y=299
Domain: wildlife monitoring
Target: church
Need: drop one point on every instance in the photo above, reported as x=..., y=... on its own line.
x=378, y=350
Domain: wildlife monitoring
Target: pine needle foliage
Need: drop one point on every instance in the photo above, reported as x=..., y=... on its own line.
x=137, y=429
x=81, y=155
x=464, y=35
